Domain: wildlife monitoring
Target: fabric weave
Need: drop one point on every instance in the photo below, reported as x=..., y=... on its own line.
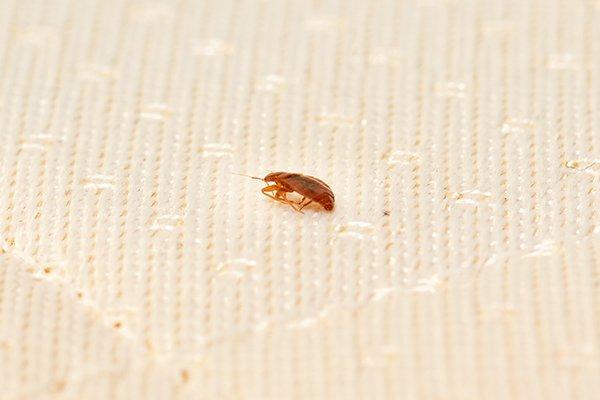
x=461, y=139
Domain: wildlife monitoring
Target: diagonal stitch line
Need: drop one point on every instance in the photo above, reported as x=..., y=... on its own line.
x=9, y=254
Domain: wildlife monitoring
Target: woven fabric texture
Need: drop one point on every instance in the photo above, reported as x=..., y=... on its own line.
x=460, y=137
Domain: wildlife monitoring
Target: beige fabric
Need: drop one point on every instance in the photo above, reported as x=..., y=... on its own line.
x=462, y=141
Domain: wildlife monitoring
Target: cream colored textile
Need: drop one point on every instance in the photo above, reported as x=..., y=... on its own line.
x=462, y=141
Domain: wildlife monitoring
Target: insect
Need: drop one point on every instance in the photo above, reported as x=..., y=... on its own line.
x=310, y=188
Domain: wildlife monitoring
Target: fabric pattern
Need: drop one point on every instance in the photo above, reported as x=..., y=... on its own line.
x=461, y=139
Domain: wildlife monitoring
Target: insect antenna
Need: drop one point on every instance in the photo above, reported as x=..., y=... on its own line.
x=248, y=176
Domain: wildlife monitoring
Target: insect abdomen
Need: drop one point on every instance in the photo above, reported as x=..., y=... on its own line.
x=326, y=200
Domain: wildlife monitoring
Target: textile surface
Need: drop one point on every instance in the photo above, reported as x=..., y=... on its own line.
x=461, y=139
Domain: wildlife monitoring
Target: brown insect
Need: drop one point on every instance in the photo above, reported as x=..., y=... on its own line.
x=310, y=188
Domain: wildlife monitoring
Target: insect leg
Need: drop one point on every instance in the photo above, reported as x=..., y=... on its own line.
x=272, y=188
x=277, y=197
x=304, y=205
x=282, y=195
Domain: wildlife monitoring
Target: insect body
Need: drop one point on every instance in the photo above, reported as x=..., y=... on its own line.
x=310, y=188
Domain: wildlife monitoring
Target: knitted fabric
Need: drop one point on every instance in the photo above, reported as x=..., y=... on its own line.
x=461, y=139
